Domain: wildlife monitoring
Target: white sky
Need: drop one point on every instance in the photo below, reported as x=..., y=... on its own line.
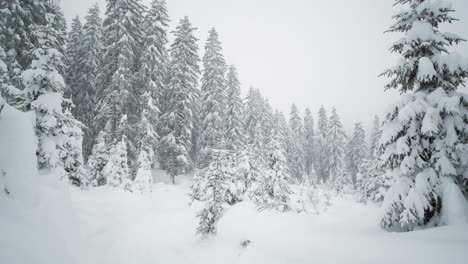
x=310, y=52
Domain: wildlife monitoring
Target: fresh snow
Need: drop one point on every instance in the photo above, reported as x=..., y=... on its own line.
x=120, y=227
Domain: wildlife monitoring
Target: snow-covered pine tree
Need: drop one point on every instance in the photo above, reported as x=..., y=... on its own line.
x=356, y=151
x=73, y=54
x=274, y=190
x=425, y=136
x=322, y=148
x=177, y=119
x=336, y=140
x=375, y=135
x=213, y=97
x=59, y=134
x=17, y=20
x=148, y=138
x=85, y=97
x=153, y=69
x=309, y=148
x=234, y=123
x=98, y=160
x=122, y=36
x=215, y=197
x=116, y=171
x=253, y=108
x=267, y=120
x=295, y=151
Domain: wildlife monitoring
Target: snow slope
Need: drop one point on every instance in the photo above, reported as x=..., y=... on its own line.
x=160, y=228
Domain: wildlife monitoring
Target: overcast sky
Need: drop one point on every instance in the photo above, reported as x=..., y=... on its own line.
x=308, y=52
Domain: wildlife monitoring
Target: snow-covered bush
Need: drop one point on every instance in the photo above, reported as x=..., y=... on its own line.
x=216, y=192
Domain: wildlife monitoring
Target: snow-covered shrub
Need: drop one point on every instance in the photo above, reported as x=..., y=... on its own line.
x=216, y=192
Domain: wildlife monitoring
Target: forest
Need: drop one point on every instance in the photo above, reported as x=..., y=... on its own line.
x=125, y=141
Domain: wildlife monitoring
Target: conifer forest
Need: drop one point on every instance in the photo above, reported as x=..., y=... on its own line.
x=132, y=134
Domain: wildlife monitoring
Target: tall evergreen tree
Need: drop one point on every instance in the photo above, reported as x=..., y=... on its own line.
x=309, y=146
x=85, y=95
x=357, y=151
x=73, y=54
x=213, y=96
x=336, y=140
x=375, y=135
x=58, y=132
x=153, y=69
x=274, y=189
x=177, y=119
x=322, y=148
x=17, y=20
x=234, y=122
x=295, y=151
x=425, y=136
x=122, y=36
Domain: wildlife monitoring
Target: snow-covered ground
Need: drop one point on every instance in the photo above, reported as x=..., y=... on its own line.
x=120, y=227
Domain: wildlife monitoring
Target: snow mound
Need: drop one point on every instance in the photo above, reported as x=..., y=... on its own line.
x=18, y=163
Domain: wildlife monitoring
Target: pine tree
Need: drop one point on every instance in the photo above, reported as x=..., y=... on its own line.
x=59, y=133
x=216, y=195
x=17, y=20
x=322, y=148
x=375, y=135
x=253, y=108
x=122, y=35
x=98, y=159
x=86, y=89
x=153, y=69
x=425, y=135
x=116, y=171
x=177, y=119
x=234, y=123
x=213, y=96
x=356, y=152
x=309, y=146
x=274, y=189
x=148, y=141
x=295, y=151
x=73, y=54
x=336, y=139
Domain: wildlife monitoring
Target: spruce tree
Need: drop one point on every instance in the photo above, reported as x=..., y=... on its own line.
x=59, y=133
x=375, y=135
x=176, y=122
x=153, y=69
x=17, y=20
x=274, y=188
x=217, y=192
x=148, y=139
x=356, y=152
x=322, y=148
x=73, y=54
x=336, y=140
x=295, y=151
x=98, y=160
x=122, y=36
x=213, y=96
x=425, y=135
x=116, y=171
x=234, y=122
x=86, y=90
x=309, y=146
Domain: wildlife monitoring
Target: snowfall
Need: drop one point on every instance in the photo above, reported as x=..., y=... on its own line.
x=46, y=221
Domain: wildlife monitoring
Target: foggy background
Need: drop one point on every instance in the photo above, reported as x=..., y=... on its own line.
x=308, y=52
